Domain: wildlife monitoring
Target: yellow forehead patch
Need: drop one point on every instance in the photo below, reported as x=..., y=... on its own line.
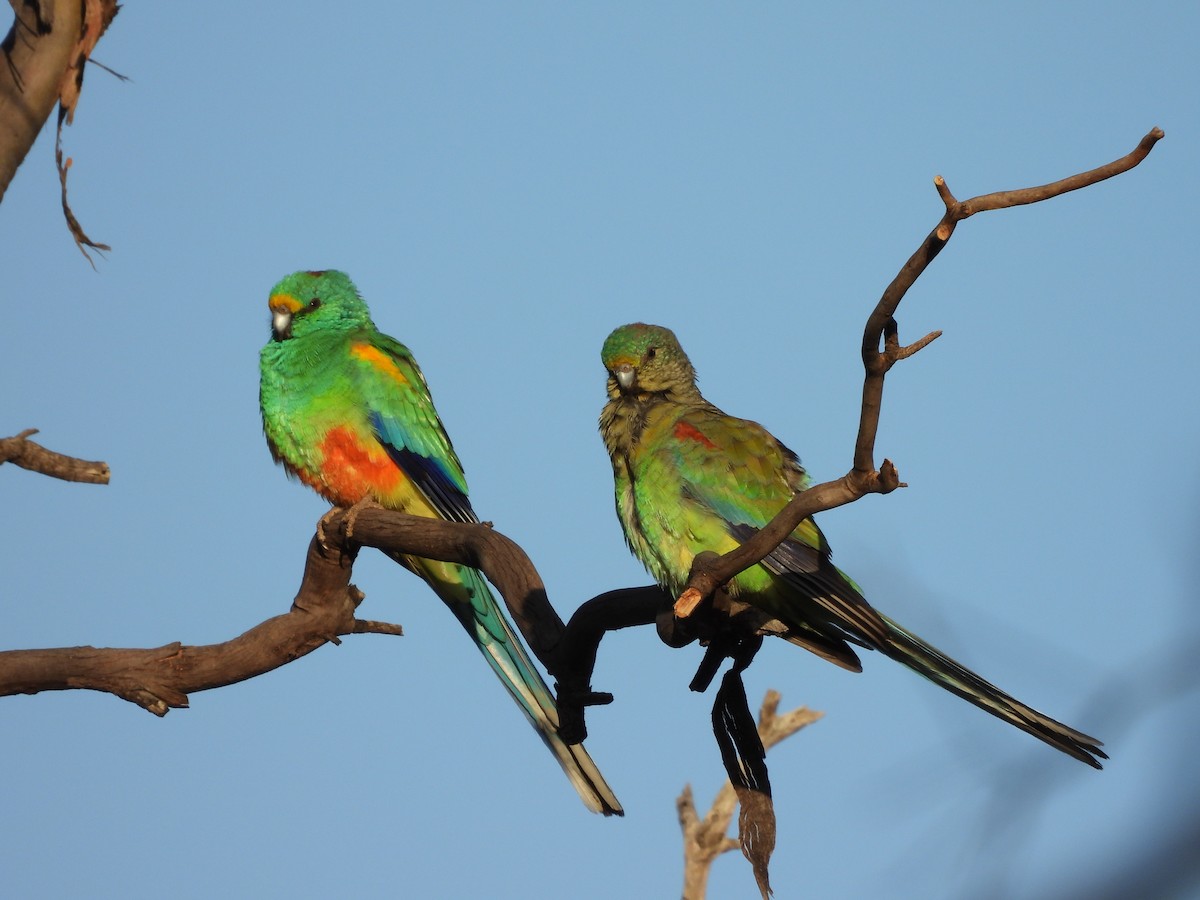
x=284, y=303
x=623, y=360
x=380, y=360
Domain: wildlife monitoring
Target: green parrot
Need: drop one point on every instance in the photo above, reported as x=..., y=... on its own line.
x=346, y=410
x=691, y=478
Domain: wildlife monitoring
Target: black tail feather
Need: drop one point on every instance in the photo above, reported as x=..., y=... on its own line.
x=930, y=662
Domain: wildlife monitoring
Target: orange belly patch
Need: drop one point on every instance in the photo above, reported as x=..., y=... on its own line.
x=352, y=469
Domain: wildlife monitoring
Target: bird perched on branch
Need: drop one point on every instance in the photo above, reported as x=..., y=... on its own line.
x=346, y=410
x=691, y=478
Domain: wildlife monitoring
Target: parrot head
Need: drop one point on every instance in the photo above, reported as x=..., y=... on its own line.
x=311, y=301
x=646, y=359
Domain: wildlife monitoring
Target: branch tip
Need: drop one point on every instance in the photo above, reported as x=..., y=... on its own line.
x=769, y=708
x=944, y=191
x=685, y=807
x=687, y=603
x=33, y=456
x=370, y=626
x=917, y=346
x=888, y=478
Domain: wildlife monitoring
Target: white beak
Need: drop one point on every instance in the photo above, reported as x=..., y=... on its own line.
x=281, y=323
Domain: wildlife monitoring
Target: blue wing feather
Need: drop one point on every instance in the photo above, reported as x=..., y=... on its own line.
x=431, y=475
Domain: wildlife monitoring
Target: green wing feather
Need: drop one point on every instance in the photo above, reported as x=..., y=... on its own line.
x=347, y=409
x=401, y=413
x=690, y=478
x=405, y=422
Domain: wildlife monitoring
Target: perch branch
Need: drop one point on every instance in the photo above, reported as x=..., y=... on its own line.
x=575, y=656
x=28, y=455
x=708, y=574
x=472, y=544
x=159, y=679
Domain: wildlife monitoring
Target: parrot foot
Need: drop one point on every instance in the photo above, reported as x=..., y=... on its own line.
x=687, y=603
x=352, y=515
x=321, y=523
x=348, y=522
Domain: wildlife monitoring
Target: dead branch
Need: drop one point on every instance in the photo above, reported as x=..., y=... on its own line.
x=97, y=16
x=36, y=52
x=480, y=546
x=23, y=452
x=704, y=839
x=863, y=478
x=159, y=679
x=723, y=625
x=44, y=57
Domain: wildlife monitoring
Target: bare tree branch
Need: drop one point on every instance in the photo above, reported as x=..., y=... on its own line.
x=23, y=452
x=956, y=212
x=36, y=53
x=44, y=57
x=477, y=545
x=507, y=566
x=160, y=679
x=97, y=16
x=708, y=573
x=704, y=839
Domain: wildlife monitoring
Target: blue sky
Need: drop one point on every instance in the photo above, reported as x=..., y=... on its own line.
x=507, y=183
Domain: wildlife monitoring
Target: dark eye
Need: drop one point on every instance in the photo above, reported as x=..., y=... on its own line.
x=314, y=303
x=651, y=352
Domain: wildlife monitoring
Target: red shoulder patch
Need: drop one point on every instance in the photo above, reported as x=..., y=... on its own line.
x=685, y=431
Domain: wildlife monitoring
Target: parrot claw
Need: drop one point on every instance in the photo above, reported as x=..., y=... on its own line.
x=352, y=515
x=347, y=523
x=321, y=523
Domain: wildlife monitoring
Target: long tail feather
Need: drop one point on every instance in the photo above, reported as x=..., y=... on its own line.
x=930, y=662
x=468, y=596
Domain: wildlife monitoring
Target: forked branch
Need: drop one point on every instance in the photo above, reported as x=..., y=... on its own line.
x=159, y=679
x=863, y=478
